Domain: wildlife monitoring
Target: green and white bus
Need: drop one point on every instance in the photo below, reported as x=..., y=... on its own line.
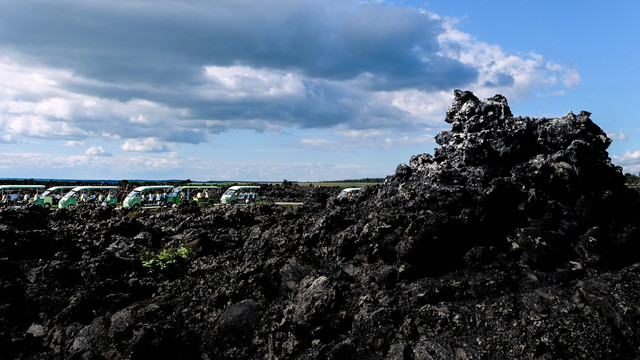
x=147, y=196
x=349, y=193
x=18, y=195
x=51, y=197
x=240, y=194
x=194, y=194
x=89, y=195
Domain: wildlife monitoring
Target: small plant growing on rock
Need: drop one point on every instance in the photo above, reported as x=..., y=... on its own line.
x=168, y=260
x=135, y=214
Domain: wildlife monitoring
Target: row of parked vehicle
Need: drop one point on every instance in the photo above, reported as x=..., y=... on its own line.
x=142, y=196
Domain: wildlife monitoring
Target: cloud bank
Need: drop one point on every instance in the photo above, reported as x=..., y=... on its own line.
x=151, y=75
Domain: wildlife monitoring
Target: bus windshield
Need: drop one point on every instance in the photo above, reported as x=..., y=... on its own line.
x=133, y=194
x=69, y=194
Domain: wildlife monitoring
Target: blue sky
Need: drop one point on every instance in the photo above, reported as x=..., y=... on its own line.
x=302, y=90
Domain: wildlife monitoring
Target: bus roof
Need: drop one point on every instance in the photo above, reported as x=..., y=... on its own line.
x=3, y=187
x=151, y=187
x=237, y=187
x=54, y=188
x=197, y=187
x=351, y=189
x=79, y=188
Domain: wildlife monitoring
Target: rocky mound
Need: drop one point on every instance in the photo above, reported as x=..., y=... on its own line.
x=516, y=239
x=542, y=189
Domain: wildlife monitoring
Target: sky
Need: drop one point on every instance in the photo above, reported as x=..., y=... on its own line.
x=303, y=90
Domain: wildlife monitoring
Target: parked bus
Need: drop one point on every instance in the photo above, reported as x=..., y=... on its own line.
x=18, y=195
x=196, y=194
x=147, y=196
x=51, y=197
x=244, y=194
x=349, y=193
x=96, y=195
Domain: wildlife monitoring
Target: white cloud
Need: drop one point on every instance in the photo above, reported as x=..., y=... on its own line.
x=93, y=167
x=149, y=144
x=109, y=136
x=516, y=76
x=96, y=151
x=168, y=161
x=228, y=82
x=171, y=165
x=620, y=136
x=429, y=107
x=302, y=171
x=323, y=144
x=55, y=111
x=571, y=78
x=6, y=139
x=140, y=119
x=54, y=107
x=409, y=140
x=630, y=161
x=42, y=127
x=19, y=79
x=74, y=143
x=628, y=158
x=367, y=133
x=42, y=162
x=359, y=139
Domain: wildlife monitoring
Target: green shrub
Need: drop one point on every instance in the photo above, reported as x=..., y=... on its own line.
x=168, y=260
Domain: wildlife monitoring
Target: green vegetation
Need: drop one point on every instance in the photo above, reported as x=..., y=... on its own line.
x=632, y=180
x=168, y=260
x=363, y=180
x=348, y=183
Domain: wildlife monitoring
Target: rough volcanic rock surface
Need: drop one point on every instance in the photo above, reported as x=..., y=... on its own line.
x=546, y=186
x=517, y=238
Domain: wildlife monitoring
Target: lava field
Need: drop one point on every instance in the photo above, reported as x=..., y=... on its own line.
x=517, y=238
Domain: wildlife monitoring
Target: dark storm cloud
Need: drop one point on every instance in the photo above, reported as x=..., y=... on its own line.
x=168, y=42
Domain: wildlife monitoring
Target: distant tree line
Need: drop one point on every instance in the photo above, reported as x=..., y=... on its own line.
x=632, y=179
x=363, y=180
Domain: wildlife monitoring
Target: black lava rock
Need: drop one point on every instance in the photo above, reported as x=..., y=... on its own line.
x=517, y=238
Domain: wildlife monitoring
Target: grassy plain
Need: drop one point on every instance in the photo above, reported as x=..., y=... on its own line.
x=340, y=183
x=343, y=184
